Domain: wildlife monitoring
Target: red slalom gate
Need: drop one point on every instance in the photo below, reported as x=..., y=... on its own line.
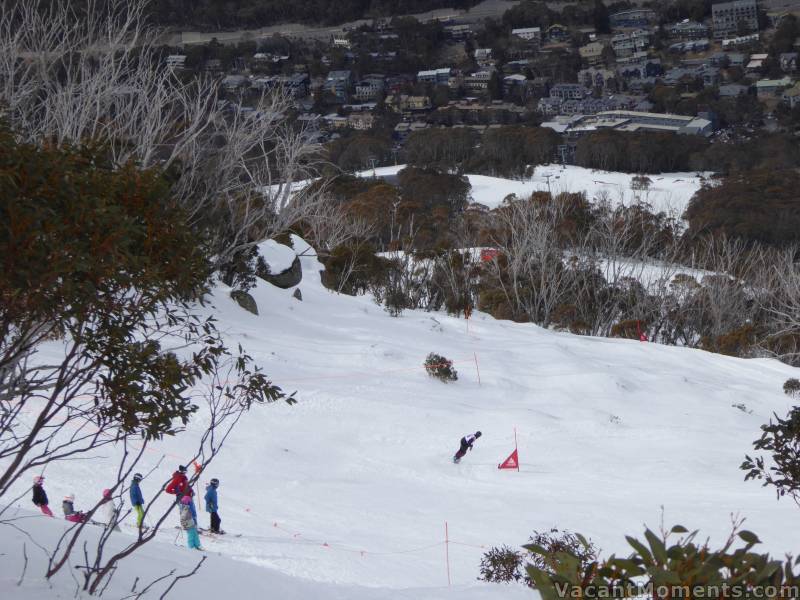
x=512, y=462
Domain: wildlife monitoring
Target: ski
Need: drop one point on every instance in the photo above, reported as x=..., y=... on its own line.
x=221, y=534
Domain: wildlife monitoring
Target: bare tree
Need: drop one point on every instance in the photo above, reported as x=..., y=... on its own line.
x=635, y=264
x=96, y=74
x=779, y=299
x=71, y=74
x=328, y=224
x=225, y=396
x=535, y=280
x=249, y=176
x=121, y=355
x=727, y=299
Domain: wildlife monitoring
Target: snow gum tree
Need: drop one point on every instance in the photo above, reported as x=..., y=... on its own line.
x=100, y=343
x=93, y=71
x=781, y=471
x=665, y=565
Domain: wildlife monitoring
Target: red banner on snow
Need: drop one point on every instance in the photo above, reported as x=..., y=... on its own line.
x=512, y=462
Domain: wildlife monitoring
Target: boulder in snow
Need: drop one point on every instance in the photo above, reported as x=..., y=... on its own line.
x=285, y=279
x=245, y=300
x=283, y=267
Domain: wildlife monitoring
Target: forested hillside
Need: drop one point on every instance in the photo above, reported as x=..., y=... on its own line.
x=216, y=14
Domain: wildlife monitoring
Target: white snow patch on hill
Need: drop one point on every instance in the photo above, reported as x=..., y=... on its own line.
x=668, y=192
x=354, y=484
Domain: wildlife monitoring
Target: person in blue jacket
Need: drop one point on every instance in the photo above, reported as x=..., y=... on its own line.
x=137, y=500
x=212, y=506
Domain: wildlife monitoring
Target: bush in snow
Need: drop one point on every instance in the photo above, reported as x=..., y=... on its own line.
x=502, y=565
x=641, y=182
x=628, y=329
x=739, y=342
x=781, y=440
x=792, y=387
x=240, y=269
x=439, y=367
x=495, y=302
x=554, y=541
x=353, y=268
x=565, y=317
x=453, y=281
x=505, y=565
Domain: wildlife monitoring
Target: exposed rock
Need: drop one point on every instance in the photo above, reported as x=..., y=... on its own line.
x=298, y=294
x=285, y=279
x=245, y=300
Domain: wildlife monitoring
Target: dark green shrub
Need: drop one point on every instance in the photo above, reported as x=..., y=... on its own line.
x=663, y=567
x=781, y=439
x=502, y=565
x=441, y=368
x=628, y=329
x=505, y=565
x=739, y=342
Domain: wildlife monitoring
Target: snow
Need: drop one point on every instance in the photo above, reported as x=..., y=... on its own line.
x=219, y=577
x=668, y=192
x=652, y=274
x=346, y=494
x=278, y=257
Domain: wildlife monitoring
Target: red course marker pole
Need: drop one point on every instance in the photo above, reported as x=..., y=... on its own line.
x=447, y=551
x=516, y=448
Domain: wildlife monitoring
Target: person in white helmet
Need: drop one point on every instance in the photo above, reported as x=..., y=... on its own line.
x=109, y=513
x=70, y=514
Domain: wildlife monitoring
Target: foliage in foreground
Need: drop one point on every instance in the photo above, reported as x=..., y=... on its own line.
x=781, y=439
x=671, y=564
x=791, y=387
x=506, y=565
x=98, y=268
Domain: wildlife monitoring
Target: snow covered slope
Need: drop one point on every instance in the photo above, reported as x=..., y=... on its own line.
x=219, y=576
x=668, y=192
x=354, y=484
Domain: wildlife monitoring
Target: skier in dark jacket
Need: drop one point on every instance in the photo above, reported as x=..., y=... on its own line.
x=40, y=496
x=137, y=500
x=466, y=444
x=212, y=506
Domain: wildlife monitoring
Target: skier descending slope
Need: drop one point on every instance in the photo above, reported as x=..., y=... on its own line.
x=466, y=444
